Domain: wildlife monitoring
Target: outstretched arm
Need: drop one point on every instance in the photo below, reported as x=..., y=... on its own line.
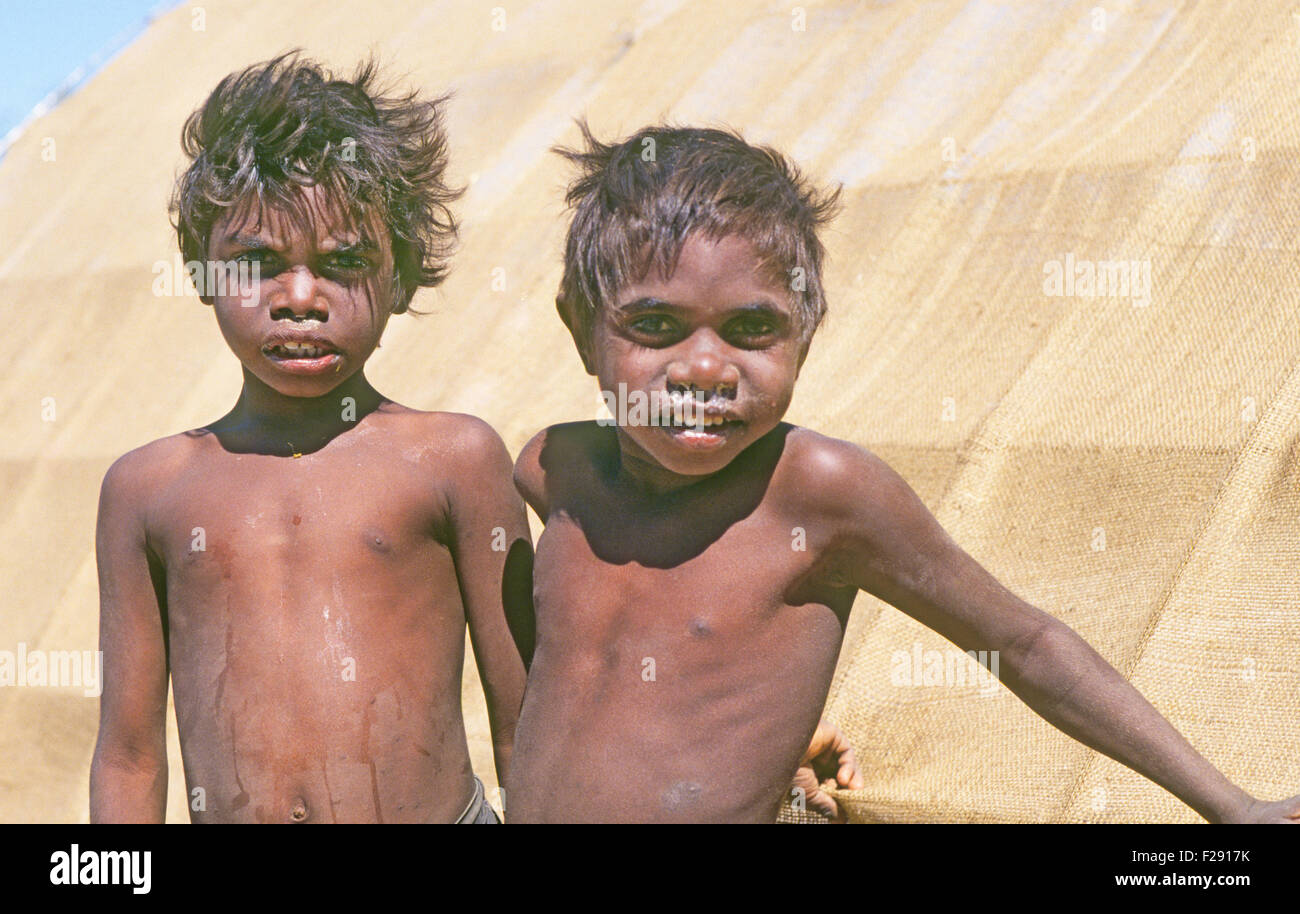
x=894, y=548
x=128, y=773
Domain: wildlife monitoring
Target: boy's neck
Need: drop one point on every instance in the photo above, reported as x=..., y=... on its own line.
x=640, y=474
x=274, y=422
x=646, y=477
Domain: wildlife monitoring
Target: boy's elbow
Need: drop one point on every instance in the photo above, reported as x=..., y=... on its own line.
x=1045, y=665
x=119, y=752
x=127, y=788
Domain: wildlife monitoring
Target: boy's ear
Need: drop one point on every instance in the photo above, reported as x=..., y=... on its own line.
x=581, y=338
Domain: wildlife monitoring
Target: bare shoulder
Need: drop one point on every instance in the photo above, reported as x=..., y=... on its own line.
x=443, y=436
x=838, y=480
x=819, y=465
x=133, y=482
x=530, y=478
x=568, y=445
x=150, y=467
x=462, y=459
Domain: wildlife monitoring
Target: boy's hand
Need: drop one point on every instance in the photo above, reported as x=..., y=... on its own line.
x=1279, y=812
x=829, y=755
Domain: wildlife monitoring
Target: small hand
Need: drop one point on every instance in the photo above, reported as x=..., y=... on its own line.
x=1279, y=812
x=828, y=756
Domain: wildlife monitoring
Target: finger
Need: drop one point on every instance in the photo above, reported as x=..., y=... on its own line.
x=848, y=771
x=820, y=740
x=824, y=737
x=843, y=747
x=829, y=743
x=839, y=740
x=823, y=803
x=849, y=776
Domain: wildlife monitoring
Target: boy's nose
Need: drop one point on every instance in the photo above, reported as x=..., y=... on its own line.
x=703, y=367
x=298, y=297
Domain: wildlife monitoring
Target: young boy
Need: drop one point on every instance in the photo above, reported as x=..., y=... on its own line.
x=304, y=567
x=684, y=644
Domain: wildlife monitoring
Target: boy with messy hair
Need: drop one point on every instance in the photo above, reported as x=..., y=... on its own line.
x=304, y=567
x=683, y=649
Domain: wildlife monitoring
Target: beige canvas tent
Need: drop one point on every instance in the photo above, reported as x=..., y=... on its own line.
x=1120, y=452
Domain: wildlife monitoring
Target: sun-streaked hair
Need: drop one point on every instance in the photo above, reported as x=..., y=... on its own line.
x=270, y=130
x=636, y=201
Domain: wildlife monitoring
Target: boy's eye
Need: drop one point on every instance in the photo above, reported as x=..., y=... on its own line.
x=751, y=328
x=653, y=325
x=345, y=265
x=268, y=262
x=754, y=325
x=349, y=262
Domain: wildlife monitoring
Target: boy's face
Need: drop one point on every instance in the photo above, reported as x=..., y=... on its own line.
x=720, y=327
x=321, y=303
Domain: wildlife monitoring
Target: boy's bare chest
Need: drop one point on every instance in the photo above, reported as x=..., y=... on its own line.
x=755, y=582
x=293, y=564
x=249, y=513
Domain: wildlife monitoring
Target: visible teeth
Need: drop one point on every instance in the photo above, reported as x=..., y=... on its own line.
x=699, y=420
x=301, y=350
x=689, y=409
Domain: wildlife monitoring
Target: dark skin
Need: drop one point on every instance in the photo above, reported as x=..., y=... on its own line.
x=683, y=547
x=315, y=640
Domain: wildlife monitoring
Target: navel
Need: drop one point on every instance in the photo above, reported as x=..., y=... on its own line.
x=298, y=810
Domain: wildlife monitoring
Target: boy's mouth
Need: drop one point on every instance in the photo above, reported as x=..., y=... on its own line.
x=696, y=438
x=302, y=356
x=707, y=432
x=698, y=422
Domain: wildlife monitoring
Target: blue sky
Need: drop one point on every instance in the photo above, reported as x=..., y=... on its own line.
x=42, y=43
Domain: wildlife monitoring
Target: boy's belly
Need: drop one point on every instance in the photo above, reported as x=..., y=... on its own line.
x=340, y=764
x=714, y=736
x=298, y=702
